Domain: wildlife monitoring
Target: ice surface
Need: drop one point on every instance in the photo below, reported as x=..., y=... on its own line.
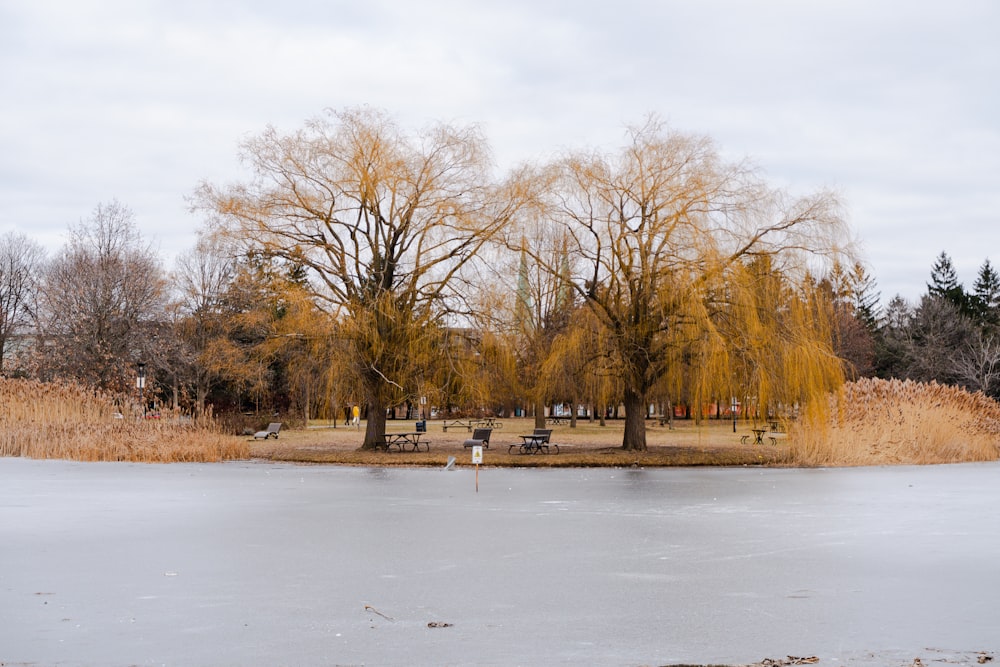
x=263, y=564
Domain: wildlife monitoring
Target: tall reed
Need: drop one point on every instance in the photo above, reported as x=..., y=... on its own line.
x=68, y=421
x=873, y=422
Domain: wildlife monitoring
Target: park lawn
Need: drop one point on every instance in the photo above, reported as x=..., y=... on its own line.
x=710, y=443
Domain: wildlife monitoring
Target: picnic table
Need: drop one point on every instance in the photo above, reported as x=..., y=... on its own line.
x=535, y=443
x=404, y=441
x=557, y=420
x=467, y=423
x=758, y=436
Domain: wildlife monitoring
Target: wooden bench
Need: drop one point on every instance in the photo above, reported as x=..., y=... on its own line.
x=272, y=429
x=480, y=437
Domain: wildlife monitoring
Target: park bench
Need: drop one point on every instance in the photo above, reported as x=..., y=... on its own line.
x=480, y=438
x=272, y=429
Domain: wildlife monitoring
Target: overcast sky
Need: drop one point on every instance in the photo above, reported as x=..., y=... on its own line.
x=896, y=105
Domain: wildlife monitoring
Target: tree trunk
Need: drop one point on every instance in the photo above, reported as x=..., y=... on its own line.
x=305, y=413
x=201, y=393
x=635, y=422
x=375, y=424
x=539, y=413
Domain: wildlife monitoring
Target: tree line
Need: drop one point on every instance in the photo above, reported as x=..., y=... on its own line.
x=361, y=263
x=951, y=335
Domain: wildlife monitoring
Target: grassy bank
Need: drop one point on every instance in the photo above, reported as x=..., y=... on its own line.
x=871, y=422
x=588, y=445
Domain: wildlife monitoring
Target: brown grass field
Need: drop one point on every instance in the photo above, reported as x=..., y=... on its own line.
x=587, y=445
x=870, y=422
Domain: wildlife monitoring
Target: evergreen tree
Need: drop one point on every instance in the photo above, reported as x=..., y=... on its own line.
x=944, y=283
x=986, y=296
x=864, y=296
x=892, y=348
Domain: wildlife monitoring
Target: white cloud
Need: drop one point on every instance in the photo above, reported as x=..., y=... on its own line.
x=893, y=104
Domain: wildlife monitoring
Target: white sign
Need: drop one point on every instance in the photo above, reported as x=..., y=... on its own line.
x=477, y=454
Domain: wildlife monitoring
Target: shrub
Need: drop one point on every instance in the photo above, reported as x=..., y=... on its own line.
x=873, y=421
x=68, y=421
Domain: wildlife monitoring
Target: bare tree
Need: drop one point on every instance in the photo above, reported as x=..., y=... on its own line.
x=935, y=333
x=20, y=261
x=383, y=222
x=99, y=297
x=977, y=364
x=202, y=278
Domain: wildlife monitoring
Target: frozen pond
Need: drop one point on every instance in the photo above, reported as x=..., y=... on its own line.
x=262, y=564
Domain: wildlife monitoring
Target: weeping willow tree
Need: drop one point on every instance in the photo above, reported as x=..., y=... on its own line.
x=780, y=337
x=524, y=305
x=304, y=345
x=543, y=309
x=383, y=222
x=578, y=367
x=664, y=238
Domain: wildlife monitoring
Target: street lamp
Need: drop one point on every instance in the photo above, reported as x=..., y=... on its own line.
x=140, y=382
x=733, y=408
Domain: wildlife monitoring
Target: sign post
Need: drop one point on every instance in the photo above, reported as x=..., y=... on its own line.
x=477, y=459
x=140, y=384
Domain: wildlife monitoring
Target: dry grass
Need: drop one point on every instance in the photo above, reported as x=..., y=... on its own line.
x=877, y=422
x=588, y=445
x=874, y=422
x=66, y=421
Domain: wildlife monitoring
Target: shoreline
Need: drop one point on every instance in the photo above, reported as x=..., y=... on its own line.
x=687, y=444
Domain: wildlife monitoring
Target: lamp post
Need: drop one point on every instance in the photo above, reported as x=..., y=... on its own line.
x=140, y=382
x=734, y=406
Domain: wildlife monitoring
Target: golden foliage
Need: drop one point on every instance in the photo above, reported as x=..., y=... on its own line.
x=874, y=422
x=693, y=267
x=381, y=223
x=66, y=421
